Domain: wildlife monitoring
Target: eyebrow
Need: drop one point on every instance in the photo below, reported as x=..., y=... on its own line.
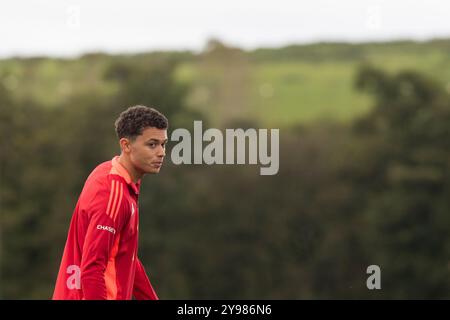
x=156, y=140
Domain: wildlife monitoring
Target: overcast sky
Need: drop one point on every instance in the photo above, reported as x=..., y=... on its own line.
x=70, y=28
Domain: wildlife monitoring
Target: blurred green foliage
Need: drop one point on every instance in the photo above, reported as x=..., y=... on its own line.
x=364, y=169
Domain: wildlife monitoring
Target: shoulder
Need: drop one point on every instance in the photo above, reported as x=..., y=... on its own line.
x=116, y=195
x=102, y=188
x=97, y=181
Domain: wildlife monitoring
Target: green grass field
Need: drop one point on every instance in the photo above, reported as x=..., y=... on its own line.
x=277, y=87
x=284, y=92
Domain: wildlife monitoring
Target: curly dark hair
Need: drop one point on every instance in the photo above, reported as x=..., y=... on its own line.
x=132, y=121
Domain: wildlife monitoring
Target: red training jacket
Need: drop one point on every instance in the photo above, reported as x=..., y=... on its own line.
x=100, y=256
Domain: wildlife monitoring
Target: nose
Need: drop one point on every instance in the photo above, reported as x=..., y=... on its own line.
x=162, y=152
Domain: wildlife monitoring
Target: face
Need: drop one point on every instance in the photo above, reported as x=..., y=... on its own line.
x=147, y=151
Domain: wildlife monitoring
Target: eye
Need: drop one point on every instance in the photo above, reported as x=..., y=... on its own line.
x=152, y=145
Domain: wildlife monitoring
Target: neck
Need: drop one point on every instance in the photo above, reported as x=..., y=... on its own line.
x=126, y=163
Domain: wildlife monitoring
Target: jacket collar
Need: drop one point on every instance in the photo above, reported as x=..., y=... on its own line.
x=120, y=170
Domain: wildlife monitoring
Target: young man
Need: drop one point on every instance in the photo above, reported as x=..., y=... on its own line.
x=100, y=258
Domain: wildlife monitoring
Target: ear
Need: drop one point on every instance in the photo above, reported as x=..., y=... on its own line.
x=125, y=145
